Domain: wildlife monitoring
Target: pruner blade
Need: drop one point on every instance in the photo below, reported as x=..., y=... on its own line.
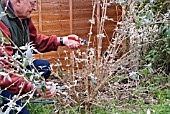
x=82, y=41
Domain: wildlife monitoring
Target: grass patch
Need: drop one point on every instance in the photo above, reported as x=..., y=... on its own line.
x=162, y=107
x=40, y=108
x=156, y=100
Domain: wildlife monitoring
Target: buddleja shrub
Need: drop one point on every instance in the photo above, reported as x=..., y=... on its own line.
x=92, y=77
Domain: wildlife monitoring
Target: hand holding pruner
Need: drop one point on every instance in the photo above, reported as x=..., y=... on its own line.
x=82, y=41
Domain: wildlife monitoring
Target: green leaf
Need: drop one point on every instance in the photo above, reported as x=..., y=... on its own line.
x=28, y=74
x=126, y=3
x=60, y=74
x=36, y=78
x=4, y=40
x=145, y=72
x=43, y=89
x=141, y=6
x=137, y=25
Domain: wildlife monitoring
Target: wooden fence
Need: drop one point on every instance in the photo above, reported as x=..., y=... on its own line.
x=64, y=17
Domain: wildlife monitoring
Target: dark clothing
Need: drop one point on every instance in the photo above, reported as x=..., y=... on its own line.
x=9, y=95
x=42, y=66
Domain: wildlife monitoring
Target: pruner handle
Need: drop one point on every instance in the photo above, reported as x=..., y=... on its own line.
x=73, y=38
x=82, y=41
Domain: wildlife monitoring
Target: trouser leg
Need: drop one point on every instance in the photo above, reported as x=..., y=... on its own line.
x=6, y=96
x=43, y=67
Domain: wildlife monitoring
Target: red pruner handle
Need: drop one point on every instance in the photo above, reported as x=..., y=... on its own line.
x=73, y=38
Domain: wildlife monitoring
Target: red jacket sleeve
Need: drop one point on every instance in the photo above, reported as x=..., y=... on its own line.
x=15, y=82
x=42, y=42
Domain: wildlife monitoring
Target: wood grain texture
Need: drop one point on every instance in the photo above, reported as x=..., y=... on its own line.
x=54, y=17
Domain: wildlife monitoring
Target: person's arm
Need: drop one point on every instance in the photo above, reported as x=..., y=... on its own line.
x=45, y=43
x=15, y=84
x=42, y=42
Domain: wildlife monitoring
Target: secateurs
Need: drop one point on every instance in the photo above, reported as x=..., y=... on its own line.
x=82, y=41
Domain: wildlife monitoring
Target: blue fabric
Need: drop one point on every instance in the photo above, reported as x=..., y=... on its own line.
x=42, y=66
x=9, y=95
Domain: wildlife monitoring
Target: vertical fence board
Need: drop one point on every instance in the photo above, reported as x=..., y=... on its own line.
x=71, y=16
x=40, y=15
